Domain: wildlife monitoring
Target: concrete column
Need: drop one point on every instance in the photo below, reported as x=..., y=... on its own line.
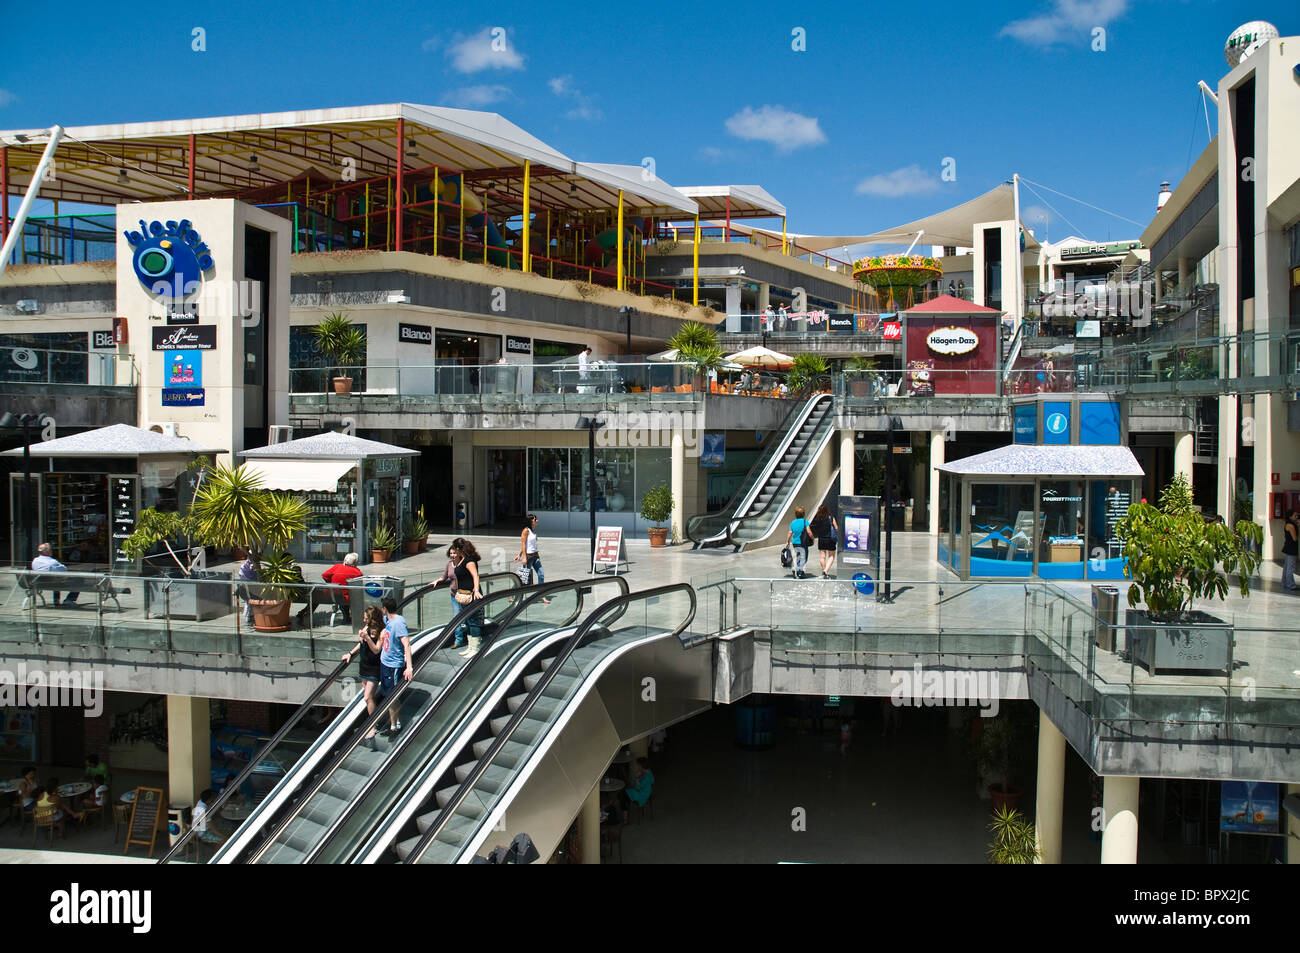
x=1119, y=807
x=847, y=461
x=1184, y=270
x=189, y=749
x=733, y=297
x=678, y=484
x=919, y=482
x=1227, y=454
x=1051, y=790
x=764, y=295
x=936, y=461
x=589, y=827
x=1184, y=450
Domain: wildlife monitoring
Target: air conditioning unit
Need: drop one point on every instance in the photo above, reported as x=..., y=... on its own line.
x=27, y=306
x=398, y=297
x=278, y=433
x=169, y=429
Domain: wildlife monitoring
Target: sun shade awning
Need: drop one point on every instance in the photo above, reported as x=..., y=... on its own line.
x=954, y=226
x=1030, y=460
x=318, y=475
x=744, y=201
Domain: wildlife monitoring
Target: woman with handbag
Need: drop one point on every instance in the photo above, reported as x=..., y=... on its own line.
x=823, y=526
x=369, y=644
x=467, y=590
x=450, y=575
x=529, y=558
x=799, y=540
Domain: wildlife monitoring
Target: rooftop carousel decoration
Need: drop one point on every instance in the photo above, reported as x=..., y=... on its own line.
x=896, y=277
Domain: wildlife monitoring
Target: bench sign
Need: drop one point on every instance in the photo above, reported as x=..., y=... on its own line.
x=952, y=341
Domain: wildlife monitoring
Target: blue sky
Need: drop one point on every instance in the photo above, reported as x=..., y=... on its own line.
x=851, y=133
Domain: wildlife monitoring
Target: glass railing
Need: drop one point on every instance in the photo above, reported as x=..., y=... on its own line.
x=667, y=610
x=38, y=365
x=207, y=613
x=468, y=385
x=874, y=384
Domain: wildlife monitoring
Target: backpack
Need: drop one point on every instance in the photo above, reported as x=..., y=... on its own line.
x=806, y=536
x=787, y=558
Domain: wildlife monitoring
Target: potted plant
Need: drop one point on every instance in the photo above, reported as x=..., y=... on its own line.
x=383, y=540
x=808, y=373
x=697, y=345
x=415, y=533
x=1003, y=747
x=1173, y=555
x=861, y=375
x=657, y=507
x=232, y=509
x=172, y=536
x=343, y=344
x=1014, y=839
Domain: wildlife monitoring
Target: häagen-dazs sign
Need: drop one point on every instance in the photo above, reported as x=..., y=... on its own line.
x=952, y=341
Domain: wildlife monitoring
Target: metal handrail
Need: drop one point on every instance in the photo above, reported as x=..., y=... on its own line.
x=520, y=713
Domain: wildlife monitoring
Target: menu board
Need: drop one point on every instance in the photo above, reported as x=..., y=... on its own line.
x=1117, y=504
x=143, y=828
x=610, y=549
x=123, y=503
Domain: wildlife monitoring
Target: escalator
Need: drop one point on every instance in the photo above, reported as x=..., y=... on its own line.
x=536, y=759
x=773, y=481
x=333, y=808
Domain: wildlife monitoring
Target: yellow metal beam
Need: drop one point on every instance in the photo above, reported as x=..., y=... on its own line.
x=695, y=265
x=527, y=256
x=619, y=238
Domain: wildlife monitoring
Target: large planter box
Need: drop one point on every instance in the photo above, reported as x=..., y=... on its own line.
x=192, y=598
x=1201, y=646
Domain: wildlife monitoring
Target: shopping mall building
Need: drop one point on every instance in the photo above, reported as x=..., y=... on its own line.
x=480, y=263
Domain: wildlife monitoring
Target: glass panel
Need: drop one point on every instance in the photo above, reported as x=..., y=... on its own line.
x=1003, y=535
x=1061, y=549
x=653, y=467
x=1108, y=502
x=548, y=479
x=945, y=519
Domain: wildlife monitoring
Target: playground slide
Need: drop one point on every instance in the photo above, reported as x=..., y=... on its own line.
x=475, y=218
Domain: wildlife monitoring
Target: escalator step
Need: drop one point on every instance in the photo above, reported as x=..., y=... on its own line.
x=514, y=701
x=509, y=754
x=463, y=770
x=439, y=854
x=324, y=807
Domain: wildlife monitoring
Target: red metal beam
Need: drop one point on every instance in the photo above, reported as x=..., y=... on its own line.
x=401, y=177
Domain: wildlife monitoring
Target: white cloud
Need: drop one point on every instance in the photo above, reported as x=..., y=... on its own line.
x=713, y=153
x=482, y=50
x=473, y=97
x=6, y=97
x=1034, y=215
x=1065, y=20
x=775, y=124
x=583, y=108
x=909, y=180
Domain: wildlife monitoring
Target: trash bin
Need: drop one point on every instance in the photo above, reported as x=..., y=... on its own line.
x=376, y=588
x=176, y=826
x=462, y=517
x=1105, y=609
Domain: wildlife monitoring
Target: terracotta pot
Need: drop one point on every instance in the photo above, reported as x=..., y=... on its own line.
x=1008, y=798
x=238, y=553
x=342, y=385
x=658, y=535
x=270, y=615
x=379, y=555
x=412, y=547
x=859, y=388
x=424, y=543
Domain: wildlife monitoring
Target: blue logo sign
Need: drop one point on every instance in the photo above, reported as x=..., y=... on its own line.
x=374, y=590
x=169, y=258
x=1056, y=423
x=863, y=583
x=188, y=397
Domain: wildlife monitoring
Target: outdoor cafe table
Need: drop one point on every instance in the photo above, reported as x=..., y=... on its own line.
x=128, y=797
x=8, y=787
x=74, y=789
x=235, y=812
x=609, y=785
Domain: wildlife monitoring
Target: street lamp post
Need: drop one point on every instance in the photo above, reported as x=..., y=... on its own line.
x=591, y=425
x=627, y=312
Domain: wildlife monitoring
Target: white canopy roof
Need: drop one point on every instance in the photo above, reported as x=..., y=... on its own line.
x=118, y=440
x=1036, y=460
x=955, y=226
x=651, y=196
x=317, y=475
x=750, y=201
x=327, y=446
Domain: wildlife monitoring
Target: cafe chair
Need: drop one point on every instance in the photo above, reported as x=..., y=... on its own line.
x=121, y=818
x=90, y=813
x=611, y=837
x=643, y=809
x=43, y=817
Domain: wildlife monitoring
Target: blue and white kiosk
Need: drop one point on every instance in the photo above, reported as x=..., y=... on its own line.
x=1047, y=505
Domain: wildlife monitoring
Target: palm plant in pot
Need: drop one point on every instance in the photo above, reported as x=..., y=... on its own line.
x=861, y=375
x=657, y=507
x=808, y=373
x=343, y=344
x=382, y=540
x=415, y=532
x=1174, y=556
x=697, y=345
x=232, y=509
x=1002, y=747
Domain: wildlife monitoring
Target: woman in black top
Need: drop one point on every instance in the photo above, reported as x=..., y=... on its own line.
x=1290, y=547
x=825, y=529
x=367, y=647
x=467, y=582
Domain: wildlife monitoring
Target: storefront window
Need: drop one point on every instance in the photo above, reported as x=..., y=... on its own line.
x=1108, y=503
x=548, y=479
x=56, y=358
x=1061, y=550
x=160, y=484
x=945, y=519
x=75, y=520
x=653, y=467
x=310, y=368
x=1003, y=535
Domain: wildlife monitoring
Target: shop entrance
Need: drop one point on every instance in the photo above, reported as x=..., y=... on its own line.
x=504, y=502
x=435, y=485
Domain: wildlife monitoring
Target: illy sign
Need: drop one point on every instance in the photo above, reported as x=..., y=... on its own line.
x=202, y=337
x=415, y=333
x=952, y=340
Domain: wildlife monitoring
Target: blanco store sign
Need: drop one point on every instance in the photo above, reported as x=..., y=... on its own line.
x=952, y=341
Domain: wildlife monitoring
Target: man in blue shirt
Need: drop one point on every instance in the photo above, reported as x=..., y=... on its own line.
x=394, y=657
x=44, y=562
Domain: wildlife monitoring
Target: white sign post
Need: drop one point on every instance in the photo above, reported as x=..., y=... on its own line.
x=611, y=550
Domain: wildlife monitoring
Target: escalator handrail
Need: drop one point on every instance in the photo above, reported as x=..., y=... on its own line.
x=293, y=721
x=502, y=739
x=740, y=520
x=444, y=583
x=754, y=477
x=313, y=785
x=503, y=625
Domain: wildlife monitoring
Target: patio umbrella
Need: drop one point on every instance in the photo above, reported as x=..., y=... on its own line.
x=671, y=354
x=762, y=357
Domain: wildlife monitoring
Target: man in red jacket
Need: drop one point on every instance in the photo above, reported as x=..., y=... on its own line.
x=340, y=574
